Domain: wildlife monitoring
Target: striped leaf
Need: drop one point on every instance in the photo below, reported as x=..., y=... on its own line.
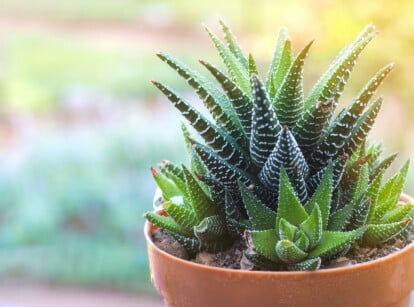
x=168, y=223
x=222, y=171
x=241, y=103
x=265, y=126
x=232, y=44
x=260, y=216
x=210, y=228
x=185, y=217
x=307, y=265
x=192, y=245
x=338, y=170
x=282, y=37
x=288, y=102
x=200, y=202
x=332, y=82
x=223, y=144
x=215, y=101
x=380, y=233
x=364, y=125
x=286, y=154
x=308, y=129
x=382, y=166
x=236, y=69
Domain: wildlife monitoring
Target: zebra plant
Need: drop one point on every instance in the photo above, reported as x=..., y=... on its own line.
x=194, y=219
x=268, y=147
x=296, y=237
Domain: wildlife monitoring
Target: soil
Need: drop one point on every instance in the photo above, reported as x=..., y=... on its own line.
x=233, y=258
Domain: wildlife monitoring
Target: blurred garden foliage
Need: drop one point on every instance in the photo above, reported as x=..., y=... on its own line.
x=81, y=124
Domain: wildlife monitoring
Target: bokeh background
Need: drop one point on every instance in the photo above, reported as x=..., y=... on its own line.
x=80, y=122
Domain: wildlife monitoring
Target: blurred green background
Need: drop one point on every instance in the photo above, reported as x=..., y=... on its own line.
x=80, y=122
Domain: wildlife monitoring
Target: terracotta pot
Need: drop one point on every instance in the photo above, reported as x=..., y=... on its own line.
x=387, y=281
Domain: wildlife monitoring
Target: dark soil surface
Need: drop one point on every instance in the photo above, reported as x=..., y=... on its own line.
x=233, y=257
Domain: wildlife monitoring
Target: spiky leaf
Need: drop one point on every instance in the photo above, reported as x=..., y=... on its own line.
x=288, y=252
x=265, y=126
x=288, y=102
x=260, y=216
x=333, y=242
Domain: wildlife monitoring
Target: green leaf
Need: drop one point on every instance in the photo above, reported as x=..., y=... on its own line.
x=340, y=130
x=167, y=186
x=264, y=242
x=192, y=245
x=210, y=228
x=221, y=170
x=261, y=261
x=313, y=226
x=214, y=137
x=323, y=196
x=289, y=206
x=182, y=215
x=286, y=154
x=288, y=252
x=282, y=37
x=382, y=166
x=241, y=103
x=362, y=182
x=360, y=214
x=363, y=127
x=390, y=192
x=393, y=188
x=308, y=129
x=379, y=233
x=167, y=223
x=252, y=66
x=288, y=102
x=175, y=174
x=264, y=124
x=283, y=66
x=302, y=241
x=333, y=242
x=398, y=214
x=260, y=216
x=307, y=265
x=287, y=231
x=236, y=69
x=372, y=194
x=340, y=218
x=232, y=44
x=200, y=201
x=214, y=100
x=332, y=82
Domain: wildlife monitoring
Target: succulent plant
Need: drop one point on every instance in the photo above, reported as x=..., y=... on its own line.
x=194, y=220
x=280, y=169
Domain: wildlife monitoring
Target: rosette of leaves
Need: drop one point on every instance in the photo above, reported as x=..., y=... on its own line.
x=295, y=237
x=192, y=217
x=364, y=200
x=258, y=127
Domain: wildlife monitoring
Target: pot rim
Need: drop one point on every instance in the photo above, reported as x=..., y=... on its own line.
x=341, y=270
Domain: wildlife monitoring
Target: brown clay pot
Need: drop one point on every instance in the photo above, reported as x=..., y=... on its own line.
x=387, y=281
